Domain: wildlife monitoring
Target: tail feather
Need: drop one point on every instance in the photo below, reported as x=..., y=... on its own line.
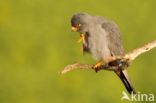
x=125, y=81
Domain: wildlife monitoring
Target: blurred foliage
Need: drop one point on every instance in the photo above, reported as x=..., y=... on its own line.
x=36, y=43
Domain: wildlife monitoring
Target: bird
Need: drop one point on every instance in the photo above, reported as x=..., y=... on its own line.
x=101, y=38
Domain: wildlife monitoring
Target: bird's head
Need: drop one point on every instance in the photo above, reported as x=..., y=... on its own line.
x=80, y=22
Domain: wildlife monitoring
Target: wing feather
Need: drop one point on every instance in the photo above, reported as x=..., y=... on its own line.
x=114, y=40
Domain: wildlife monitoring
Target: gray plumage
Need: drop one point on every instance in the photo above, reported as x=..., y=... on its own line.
x=103, y=36
x=102, y=39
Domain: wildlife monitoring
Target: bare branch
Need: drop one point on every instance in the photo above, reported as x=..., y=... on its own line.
x=76, y=66
x=136, y=52
x=126, y=60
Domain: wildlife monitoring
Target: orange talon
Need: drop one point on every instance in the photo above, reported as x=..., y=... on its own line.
x=81, y=38
x=97, y=66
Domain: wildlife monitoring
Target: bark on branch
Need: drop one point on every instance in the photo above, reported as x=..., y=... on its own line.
x=125, y=60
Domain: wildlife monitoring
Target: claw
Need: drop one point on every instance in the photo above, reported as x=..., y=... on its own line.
x=97, y=66
x=81, y=38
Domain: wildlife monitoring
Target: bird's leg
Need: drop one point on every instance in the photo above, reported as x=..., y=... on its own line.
x=103, y=64
x=81, y=39
x=98, y=65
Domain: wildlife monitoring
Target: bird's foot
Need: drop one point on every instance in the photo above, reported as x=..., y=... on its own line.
x=98, y=66
x=81, y=39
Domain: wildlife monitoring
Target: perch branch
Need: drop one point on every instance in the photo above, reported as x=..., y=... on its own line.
x=75, y=66
x=126, y=60
x=136, y=52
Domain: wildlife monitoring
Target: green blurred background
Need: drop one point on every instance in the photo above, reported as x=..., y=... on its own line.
x=36, y=42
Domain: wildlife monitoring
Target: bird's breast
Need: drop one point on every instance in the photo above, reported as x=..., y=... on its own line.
x=98, y=43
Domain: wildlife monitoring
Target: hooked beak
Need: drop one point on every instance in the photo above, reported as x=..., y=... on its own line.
x=74, y=29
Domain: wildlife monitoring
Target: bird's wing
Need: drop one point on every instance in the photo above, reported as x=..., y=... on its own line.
x=114, y=40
